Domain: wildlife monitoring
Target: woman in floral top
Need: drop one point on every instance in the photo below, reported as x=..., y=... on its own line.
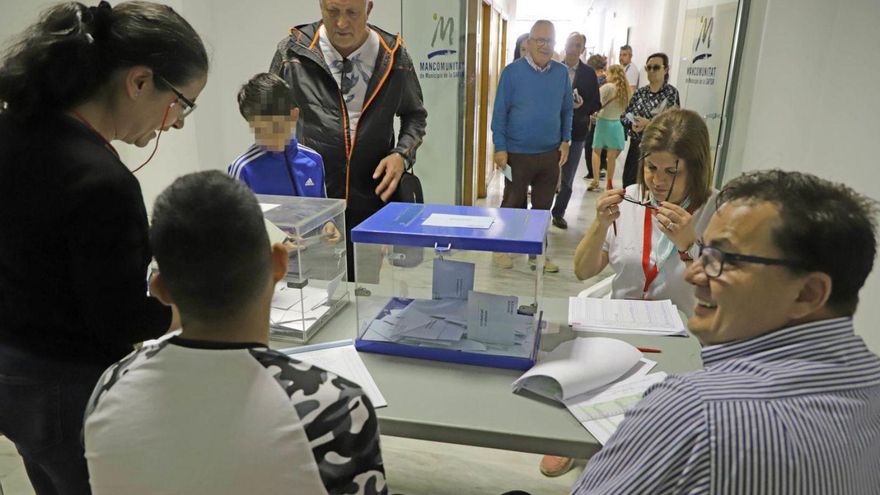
x=647, y=102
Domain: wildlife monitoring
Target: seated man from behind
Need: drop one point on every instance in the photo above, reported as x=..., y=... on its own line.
x=213, y=410
x=276, y=163
x=788, y=401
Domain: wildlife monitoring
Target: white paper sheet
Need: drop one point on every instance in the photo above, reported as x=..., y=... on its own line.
x=460, y=221
x=276, y=235
x=342, y=359
x=625, y=316
x=268, y=206
x=601, y=413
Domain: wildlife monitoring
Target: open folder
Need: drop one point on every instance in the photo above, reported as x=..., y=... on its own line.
x=579, y=366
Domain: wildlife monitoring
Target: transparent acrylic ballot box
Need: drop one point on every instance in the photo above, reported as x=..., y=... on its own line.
x=315, y=288
x=427, y=284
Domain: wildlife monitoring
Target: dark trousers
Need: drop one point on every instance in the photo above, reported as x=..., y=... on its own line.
x=568, y=171
x=42, y=403
x=631, y=167
x=541, y=171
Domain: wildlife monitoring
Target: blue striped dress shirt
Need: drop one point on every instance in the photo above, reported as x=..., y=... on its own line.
x=795, y=411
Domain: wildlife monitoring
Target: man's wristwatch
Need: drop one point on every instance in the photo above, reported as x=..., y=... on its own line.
x=690, y=254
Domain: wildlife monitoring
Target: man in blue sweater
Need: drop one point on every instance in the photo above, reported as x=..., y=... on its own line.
x=531, y=126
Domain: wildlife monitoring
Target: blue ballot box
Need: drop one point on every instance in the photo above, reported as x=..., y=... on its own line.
x=431, y=283
x=314, y=288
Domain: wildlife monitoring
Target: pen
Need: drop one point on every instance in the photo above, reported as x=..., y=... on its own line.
x=614, y=224
x=649, y=349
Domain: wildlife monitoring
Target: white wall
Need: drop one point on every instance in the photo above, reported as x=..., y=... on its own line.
x=806, y=102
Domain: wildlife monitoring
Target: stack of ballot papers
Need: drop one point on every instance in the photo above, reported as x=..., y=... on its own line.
x=297, y=309
x=445, y=323
x=340, y=357
x=625, y=316
x=457, y=317
x=598, y=379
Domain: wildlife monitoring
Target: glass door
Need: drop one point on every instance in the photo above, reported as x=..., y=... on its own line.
x=707, y=56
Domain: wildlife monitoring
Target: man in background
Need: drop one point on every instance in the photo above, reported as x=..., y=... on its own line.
x=632, y=72
x=585, y=93
x=531, y=126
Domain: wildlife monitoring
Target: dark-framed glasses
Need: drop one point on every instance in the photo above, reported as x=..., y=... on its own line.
x=713, y=260
x=646, y=204
x=652, y=68
x=187, y=105
x=543, y=41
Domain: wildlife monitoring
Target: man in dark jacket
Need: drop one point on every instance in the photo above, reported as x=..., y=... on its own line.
x=586, y=102
x=350, y=79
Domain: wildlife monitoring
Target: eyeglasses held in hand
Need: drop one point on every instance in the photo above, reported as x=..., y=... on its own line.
x=187, y=105
x=713, y=260
x=646, y=204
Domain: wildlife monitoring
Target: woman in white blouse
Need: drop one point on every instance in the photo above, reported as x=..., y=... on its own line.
x=648, y=230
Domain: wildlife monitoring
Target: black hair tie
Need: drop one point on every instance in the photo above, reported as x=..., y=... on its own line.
x=99, y=19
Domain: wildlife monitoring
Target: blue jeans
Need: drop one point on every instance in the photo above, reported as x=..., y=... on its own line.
x=42, y=402
x=567, y=172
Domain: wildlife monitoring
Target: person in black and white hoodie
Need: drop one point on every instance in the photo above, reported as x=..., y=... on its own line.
x=213, y=410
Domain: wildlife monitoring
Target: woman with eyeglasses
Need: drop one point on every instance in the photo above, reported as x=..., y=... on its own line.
x=647, y=231
x=74, y=246
x=647, y=103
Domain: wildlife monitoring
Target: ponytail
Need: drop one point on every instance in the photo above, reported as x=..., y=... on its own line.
x=74, y=50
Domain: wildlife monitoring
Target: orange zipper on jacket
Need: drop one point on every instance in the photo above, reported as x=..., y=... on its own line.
x=347, y=139
x=364, y=110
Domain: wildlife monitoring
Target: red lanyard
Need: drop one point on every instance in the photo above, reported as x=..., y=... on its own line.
x=87, y=124
x=650, y=271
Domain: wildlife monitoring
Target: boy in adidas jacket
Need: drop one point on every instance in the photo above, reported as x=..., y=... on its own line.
x=276, y=164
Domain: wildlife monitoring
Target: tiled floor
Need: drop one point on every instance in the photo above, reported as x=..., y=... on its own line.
x=428, y=468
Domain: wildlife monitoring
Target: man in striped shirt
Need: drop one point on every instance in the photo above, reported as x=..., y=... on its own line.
x=789, y=398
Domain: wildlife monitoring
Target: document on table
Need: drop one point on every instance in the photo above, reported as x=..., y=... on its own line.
x=578, y=367
x=601, y=413
x=461, y=221
x=268, y=206
x=452, y=279
x=342, y=359
x=624, y=316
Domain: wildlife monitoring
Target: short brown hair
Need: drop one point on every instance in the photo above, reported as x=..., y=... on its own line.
x=682, y=133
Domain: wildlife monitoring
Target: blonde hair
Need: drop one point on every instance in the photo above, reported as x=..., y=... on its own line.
x=617, y=77
x=682, y=133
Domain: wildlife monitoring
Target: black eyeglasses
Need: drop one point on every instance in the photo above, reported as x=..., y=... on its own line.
x=713, y=260
x=646, y=204
x=187, y=105
x=652, y=68
x=543, y=41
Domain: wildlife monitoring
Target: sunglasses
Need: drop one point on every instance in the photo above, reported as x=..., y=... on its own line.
x=652, y=68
